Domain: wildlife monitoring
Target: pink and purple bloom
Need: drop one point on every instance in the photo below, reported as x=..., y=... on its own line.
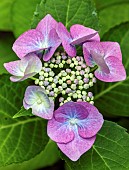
x=77, y=36
x=107, y=56
x=37, y=99
x=42, y=39
x=74, y=127
x=24, y=68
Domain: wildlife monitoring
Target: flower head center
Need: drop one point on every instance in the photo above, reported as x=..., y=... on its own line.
x=73, y=121
x=66, y=79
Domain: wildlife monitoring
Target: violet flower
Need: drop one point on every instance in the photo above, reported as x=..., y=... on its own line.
x=36, y=98
x=44, y=37
x=107, y=56
x=77, y=36
x=74, y=127
x=24, y=68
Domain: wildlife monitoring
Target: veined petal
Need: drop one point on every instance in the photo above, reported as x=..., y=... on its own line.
x=59, y=132
x=34, y=64
x=46, y=24
x=69, y=111
x=76, y=147
x=45, y=109
x=117, y=71
x=14, y=68
x=66, y=39
x=54, y=42
x=29, y=42
x=81, y=34
x=92, y=124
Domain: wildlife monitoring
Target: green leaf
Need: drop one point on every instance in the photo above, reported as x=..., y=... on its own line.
x=68, y=12
x=109, y=17
x=23, y=112
x=46, y=158
x=22, y=13
x=5, y=13
x=20, y=139
x=6, y=53
x=101, y=4
x=112, y=98
x=109, y=152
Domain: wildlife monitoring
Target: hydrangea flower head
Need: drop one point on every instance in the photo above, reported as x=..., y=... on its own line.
x=24, y=68
x=77, y=36
x=107, y=56
x=74, y=127
x=37, y=99
x=43, y=38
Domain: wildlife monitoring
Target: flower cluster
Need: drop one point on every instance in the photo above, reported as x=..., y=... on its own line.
x=64, y=79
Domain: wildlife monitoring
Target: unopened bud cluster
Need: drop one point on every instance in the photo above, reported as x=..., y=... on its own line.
x=68, y=78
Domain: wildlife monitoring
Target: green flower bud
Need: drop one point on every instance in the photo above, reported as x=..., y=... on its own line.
x=41, y=83
x=60, y=65
x=37, y=81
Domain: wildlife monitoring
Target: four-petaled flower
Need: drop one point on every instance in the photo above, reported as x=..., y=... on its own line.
x=74, y=127
x=24, y=68
x=44, y=37
x=107, y=56
x=37, y=99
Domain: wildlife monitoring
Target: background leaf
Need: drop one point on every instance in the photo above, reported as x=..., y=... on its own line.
x=20, y=139
x=68, y=12
x=5, y=15
x=109, y=152
x=6, y=53
x=47, y=157
x=113, y=16
x=22, y=12
x=113, y=98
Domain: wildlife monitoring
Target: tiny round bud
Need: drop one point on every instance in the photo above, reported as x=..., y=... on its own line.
x=79, y=96
x=79, y=77
x=81, y=82
x=73, y=86
x=53, y=60
x=75, y=95
x=70, y=94
x=78, y=68
x=82, y=72
x=60, y=88
x=94, y=80
x=64, y=85
x=68, y=90
x=45, y=74
x=47, y=91
x=91, y=102
x=60, y=81
x=86, y=80
x=90, y=84
x=41, y=77
x=68, y=82
x=86, y=75
x=76, y=62
x=77, y=73
x=76, y=81
x=41, y=73
x=63, y=92
x=50, y=79
x=73, y=72
x=56, y=90
x=64, y=78
x=91, y=75
x=45, y=83
x=58, y=57
x=69, y=99
x=41, y=83
x=84, y=92
x=51, y=93
x=60, y=65
x=45, y=64
x=51, y=65
x=68, y=70
x=51, y=73
x=79, y=100
x=61, y=99
x=78, y=92
x=71, y=65
x=56, y=66
x=87, y=99
x=90, y=94
x=53, y=85
x=37, y=81
x=86, y=86
x=80, y=87
x=68, y=61
x=63, y=62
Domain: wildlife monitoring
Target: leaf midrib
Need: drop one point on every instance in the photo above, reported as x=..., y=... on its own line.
x=20, y=123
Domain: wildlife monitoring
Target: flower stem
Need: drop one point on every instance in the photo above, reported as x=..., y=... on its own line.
x=32, y=78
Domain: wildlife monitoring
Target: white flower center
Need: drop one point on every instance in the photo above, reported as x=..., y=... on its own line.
x=73, y=121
